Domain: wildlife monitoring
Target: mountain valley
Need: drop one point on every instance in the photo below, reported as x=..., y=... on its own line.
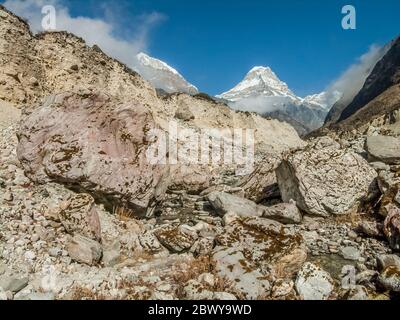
x=86, y=214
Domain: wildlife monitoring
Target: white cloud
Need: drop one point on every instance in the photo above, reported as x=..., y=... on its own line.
x=93, y=30
x=261, y=104
x=353, y=79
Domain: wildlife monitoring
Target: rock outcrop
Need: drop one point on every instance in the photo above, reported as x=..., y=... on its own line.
x=36, y=66
x=266, y=245
x=313, y=283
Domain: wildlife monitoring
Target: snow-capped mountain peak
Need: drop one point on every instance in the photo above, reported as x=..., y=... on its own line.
x=262, y=91
x=259, y=81
x=162, y=76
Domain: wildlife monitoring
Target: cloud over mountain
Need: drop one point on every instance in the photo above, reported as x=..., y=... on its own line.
x=352, y=80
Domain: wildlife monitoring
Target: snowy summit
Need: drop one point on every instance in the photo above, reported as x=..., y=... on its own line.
x=162, y=76
x=259, y=81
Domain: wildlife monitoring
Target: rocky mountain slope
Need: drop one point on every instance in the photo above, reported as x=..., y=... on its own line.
x=338, y=113
x=85, y=215
x=263, y=92
x=384, y=76
x=31, y=66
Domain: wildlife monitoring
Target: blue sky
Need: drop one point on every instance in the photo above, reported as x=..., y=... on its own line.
x=214, y=43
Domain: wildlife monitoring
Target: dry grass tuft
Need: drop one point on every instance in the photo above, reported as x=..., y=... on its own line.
x=137, y=289
x=194, y=268
x=197, y=267
x=123, y=213
x=353, y=217
x=81, y=293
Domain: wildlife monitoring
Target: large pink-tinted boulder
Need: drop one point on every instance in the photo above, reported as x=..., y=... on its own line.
x=93, y=144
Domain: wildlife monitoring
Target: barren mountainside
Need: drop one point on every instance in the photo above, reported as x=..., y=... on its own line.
x=383, y=78
x=385, y=75
x=33, y=67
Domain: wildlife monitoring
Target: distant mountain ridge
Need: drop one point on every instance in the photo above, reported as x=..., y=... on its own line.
x=260, y=91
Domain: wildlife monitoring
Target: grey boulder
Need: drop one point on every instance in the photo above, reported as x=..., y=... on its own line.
x=85, y=250
x=79, y=216
x=325, y=179
x=225, y=203
x=384, y=148
x=392, y=228
x=12, y=283
x=177, y=238
x=286, y=213
x=232, y=265
x=313, y=283
x=350, y=253
x=266, y=244
x=388, y=260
